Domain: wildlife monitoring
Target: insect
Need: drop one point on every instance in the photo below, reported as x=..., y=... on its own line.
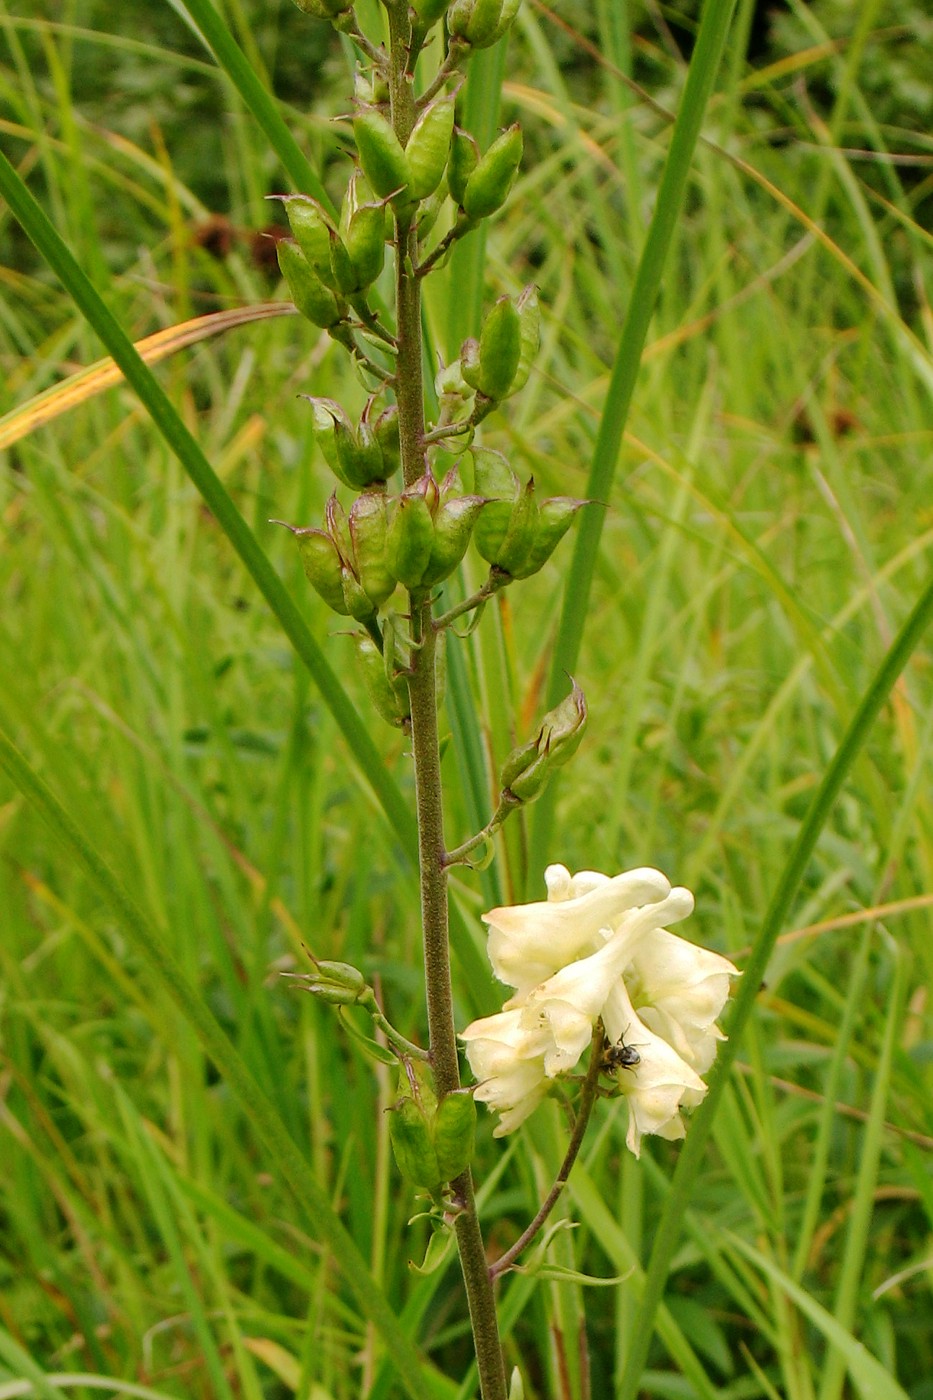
x=620, y=1055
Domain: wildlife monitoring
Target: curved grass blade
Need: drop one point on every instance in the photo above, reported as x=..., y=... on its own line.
x=689, y=1162
x=271, y=1132
x=84, y=384
x=700, y=77
x=158, y=405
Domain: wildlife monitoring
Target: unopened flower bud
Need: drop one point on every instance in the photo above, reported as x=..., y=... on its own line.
x=488, y=186
x=499, y=349
x=380, y=153
x=388, y=693
x=315, y=301
x=464, y=158
x=428, y=147
x=410, y=535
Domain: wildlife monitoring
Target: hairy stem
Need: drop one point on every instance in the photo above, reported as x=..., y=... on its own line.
x=422, y=685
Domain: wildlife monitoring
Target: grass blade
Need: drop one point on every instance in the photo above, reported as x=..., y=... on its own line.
x=688, y=1164
x=700, y=77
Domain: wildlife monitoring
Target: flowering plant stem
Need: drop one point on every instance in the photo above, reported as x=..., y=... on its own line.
x=422, y=686
x=581, y=1122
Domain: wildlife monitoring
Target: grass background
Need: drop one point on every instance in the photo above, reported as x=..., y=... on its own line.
x=768, y=529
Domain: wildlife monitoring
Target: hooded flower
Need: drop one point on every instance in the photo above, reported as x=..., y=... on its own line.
x=598, y=948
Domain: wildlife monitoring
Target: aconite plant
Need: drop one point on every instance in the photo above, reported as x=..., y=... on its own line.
x=593, y=966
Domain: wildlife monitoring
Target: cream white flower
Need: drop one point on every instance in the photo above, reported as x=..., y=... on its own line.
x=598, y=949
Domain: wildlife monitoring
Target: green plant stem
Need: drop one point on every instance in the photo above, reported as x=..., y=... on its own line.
x=422, y=685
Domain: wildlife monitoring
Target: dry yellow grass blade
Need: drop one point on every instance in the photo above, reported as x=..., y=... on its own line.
x=83, y=385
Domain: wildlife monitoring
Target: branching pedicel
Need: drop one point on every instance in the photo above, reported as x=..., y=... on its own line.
x=420, y=185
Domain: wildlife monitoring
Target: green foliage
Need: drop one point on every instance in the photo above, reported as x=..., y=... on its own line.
x=766, y=534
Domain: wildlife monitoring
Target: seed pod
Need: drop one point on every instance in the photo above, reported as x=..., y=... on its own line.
x=386, y=431
x=566, y=726
x=464, y=158
x=312, y=230
x=323, y=9
x=380, y=153
x=469, y=362
x=510, y=9
x=357, y=601
x=368, y=533
x=499, y=349
x=327, y=413
x=527, y=768
x=529, y=326
x=429, y=146
x=366, y=244
x=412, y=1144
x=334, y=983
x=453, y=528
x=410, y=535
x=519, y=538
x=307, y=291
x=389, y=695
x=555, y=517
x=488, y=187
x=341, y=268
x=474, y=21
x=359, y=455
x=338, y=527
x=530, y=783
x=495, y=480
x=454, y=1131
x=518, y=761
x=322, y=565
x=428, y=12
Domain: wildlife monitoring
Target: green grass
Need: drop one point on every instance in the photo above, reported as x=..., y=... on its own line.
x=768, y=531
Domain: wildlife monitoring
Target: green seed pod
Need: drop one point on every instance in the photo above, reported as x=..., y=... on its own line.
x=510, y=9
x=429, y=146
x=531, y=782
x=498, y=483
x=527, y=768
x=567, y=723
x=520, y=536
x=323, y=9
x=499, y=349
x=488, y=187
x=335, y=983
x=430, y=210
x=338, y=527
x=366, y=244
x=428, y=12
x=327, y=413
x=386, y=431
x=453, y=529
x=356, y=600
x=389, y=695
x=315, y=301
x=312, y=230
x=529, y=325
x=380, y=153
x=518, y=761
x=474, y=21
x=359, y=455
x=368, y=533
x=454, y=1131
x=412, y=1144
x=410, y=535
x=464, y=158
x=469, y=362
x=322, y=564
x=341, y=268
x=555, y=517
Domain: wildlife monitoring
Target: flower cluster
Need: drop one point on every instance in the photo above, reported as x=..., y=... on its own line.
x=598, y=948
